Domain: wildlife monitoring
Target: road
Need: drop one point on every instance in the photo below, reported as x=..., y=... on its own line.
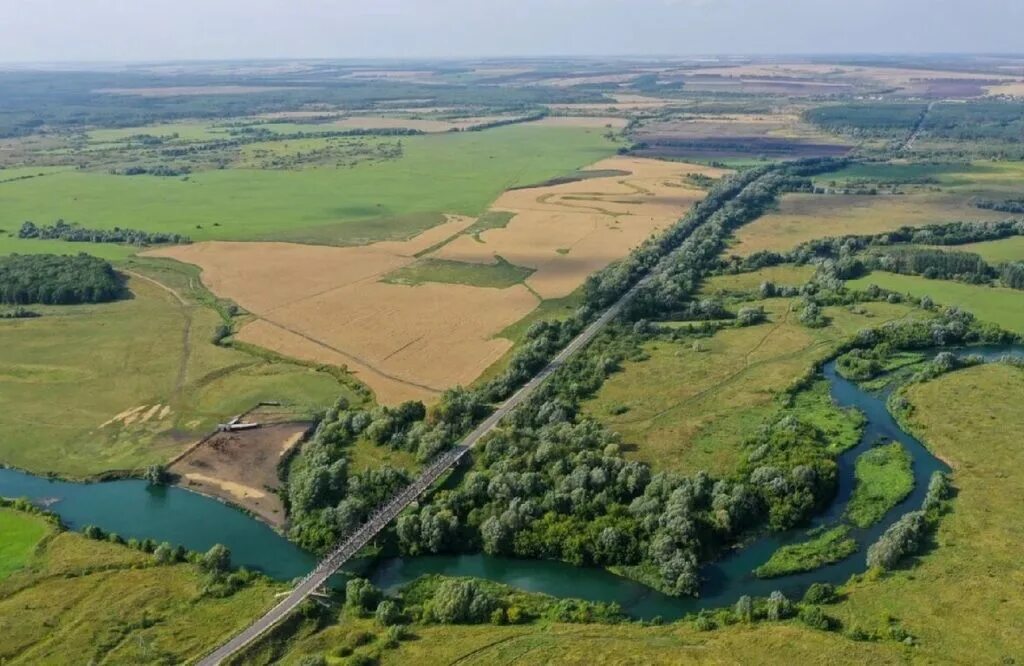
x=386, y=513
x=916, y=132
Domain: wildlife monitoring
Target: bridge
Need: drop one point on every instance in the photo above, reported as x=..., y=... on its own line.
x=384, y=514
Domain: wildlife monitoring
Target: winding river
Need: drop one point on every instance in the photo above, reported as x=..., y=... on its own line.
x=132, y=508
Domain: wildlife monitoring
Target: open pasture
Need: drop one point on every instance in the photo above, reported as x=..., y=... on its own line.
x=567, y=231
x=86, y=389
x=994, y=252
x=998, y=305
x=804, y=217
x=459, y=172
x=85, y=601
x=690, y=407
x=20, y=533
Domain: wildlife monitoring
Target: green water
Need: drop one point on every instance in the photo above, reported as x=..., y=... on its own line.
x=135, y=509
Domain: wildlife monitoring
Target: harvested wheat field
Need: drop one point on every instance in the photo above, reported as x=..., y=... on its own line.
x=241, y=467
x=804, y=217
x=327, y=305
x=567, y=231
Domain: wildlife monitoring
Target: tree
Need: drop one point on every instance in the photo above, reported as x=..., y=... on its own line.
x=388, y=613
x=361, y=595
x=217, y=559
x=156, y=475
x=779, y=607
x=164, y=554
x=745, y=609
x=462, y=601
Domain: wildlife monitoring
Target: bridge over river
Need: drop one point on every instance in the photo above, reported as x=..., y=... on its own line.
x=386, y=513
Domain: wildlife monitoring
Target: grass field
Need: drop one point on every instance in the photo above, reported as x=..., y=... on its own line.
x=686, y=409
x=994, y=252
x=829, y=546
x=85, y=601
x=1004, y=307
x=90, y=388
x=783, y=275
x=445, y=173
x=884, y=477
x=804, y=217
x=19, y=534
x=499, y=275
x=974, y=178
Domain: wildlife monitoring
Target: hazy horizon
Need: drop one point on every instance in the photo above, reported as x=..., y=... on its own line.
x=63, y=31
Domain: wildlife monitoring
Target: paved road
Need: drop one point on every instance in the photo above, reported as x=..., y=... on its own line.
x=385, y=514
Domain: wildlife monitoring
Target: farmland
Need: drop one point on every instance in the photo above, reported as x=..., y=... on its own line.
x=450, y=291
x=450, y=173
x=379, y=255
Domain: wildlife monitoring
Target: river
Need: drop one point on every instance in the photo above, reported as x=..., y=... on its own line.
x=134, y=509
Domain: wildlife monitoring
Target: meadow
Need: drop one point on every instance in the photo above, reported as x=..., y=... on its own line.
x=691, y=406
x=87, y=389
x=995, y=252
x=884, y=478
x=389, y=199
x=803, y=217
x=21, y=532
x=84, y=601
x=994, y=304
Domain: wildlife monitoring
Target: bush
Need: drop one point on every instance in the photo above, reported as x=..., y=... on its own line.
x=388, y=613
x=820, y=593
x=217, y=559
x=462, y=601
x=362, y=595
x=901, y=539
x=816, y=618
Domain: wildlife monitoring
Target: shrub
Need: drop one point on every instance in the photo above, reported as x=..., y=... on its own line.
x=459, y=601
x=820, y=593
x=816, y=618
x=388, y=613
x=362, y=595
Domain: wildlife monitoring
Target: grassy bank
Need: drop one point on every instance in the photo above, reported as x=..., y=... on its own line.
x=828, y=547
x=884, y=478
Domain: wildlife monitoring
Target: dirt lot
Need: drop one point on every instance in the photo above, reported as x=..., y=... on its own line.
x=567, y=231
x=241, y=467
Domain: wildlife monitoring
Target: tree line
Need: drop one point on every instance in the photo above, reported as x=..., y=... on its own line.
x=75, y=233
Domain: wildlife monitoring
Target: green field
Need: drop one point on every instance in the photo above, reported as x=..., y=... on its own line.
x=884, y=478
x=828, y=547
x=965, y=177
x=1004, y=307
x=690, y=406
x=84, y=601
x=446, y=173
x=499, y=275
x=19, y=534
x=65, y=374
x=994, y=252
x=787, y=275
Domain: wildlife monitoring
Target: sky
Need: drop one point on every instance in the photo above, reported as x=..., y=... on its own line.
x=134, y=30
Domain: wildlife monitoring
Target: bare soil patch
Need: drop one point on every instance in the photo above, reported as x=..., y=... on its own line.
x=242, y=467
x=567, y=231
